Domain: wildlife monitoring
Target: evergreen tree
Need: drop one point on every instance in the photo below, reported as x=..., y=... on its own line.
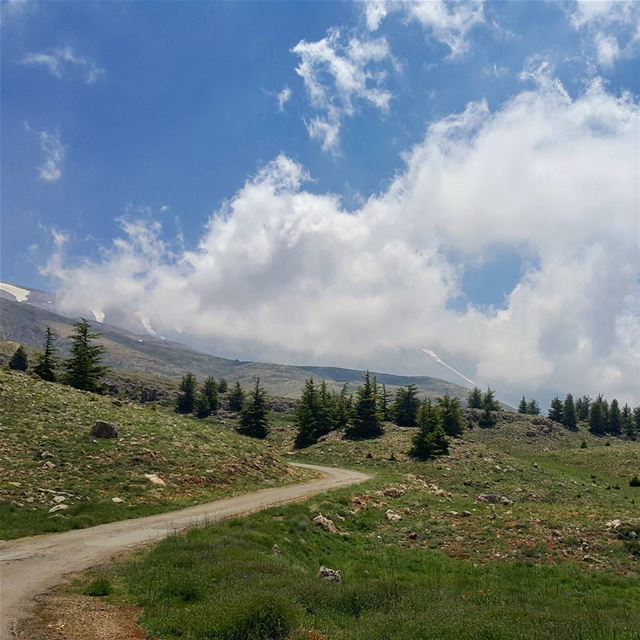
x=365, y=422
x=235, y=400
x=489, y=401
x=555, y=410
x=474, y=399
x=223, y=386
x=451, y=416
x=627, y=421
x=324, y=417
x=582, y=408
x=254, y=419
x=523, y=407
x=46, y=365
x=597, y=417
x=430, y=441
x=405, y=407
x=341, y=410
x=533, y=408
x=384, y=404
x=83, y=369
x=210, y=393
x=615, y=418
x=201, y=405
x=19, y=360
x=306, y=416
x=186, y=400
x=487, y=419
x=569, y=415
x=636, y=423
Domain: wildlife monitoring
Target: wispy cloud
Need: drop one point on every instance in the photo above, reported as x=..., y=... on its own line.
x=53, y=152
x=59, y=61
x=339, y=76
x=447, y=22
x=283, y=97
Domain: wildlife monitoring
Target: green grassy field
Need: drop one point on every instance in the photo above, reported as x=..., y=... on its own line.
x=420, y=555
x=48, y=458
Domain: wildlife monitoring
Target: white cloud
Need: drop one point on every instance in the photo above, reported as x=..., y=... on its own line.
x=338, y=77
x=447, y=22
x=283, y=97
x=53, y=152
x=60, y=60
x=612, y=27
x=282, y=269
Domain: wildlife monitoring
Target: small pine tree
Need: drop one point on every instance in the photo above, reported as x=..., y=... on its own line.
x=533, y=408
x=201, y=405
x=627, y=421
x=555, y=410
x=324, y=416
x=474, y=399
x=210, y=392
x=254, y=419
x=341, y=409
x=305, y=416
x=84, y=369
x=523, y=407
x=487, y=419
x=569, y=415
x=451, y=416
x=46, y=365
x=636, y=423
x=235, y=400
x=405, y=407
x=615, y=418
x=489, y=400
x=19, y=360
x=597, y=417
x=366, y=422
x=430, y=441
x=223, y=386
x=186, y=399
x=384, y=404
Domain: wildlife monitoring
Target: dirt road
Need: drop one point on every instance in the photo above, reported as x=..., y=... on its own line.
x=31, y=566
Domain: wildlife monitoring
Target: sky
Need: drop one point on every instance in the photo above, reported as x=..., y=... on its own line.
x=337, y=183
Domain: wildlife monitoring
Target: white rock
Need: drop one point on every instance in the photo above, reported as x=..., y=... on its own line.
x=392, y=516
x=117, y=500
x=332, y=575
x=154, y=478
x=58, y=499
x=58, y=507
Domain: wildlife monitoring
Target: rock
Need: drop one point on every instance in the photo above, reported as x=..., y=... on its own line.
x=466, y=514
x=49, y=465
x=324, y=523
x=331, y=575
x=45, y=454
x=393, y=516
x=117, y=500
x=393, y=492
x=103, y=429
x=154, y=478
x=58, y=499
x=59, y=507
x=412, y=535
x=494, y=498
x=275, y=550
x=613, y=524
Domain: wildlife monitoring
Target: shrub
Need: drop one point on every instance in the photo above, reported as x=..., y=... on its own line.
x=263, y=618
x=99, y=587
x=635, y=481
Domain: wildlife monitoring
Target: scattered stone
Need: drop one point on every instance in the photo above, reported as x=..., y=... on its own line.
x=613, y=524
x=117, y=500
x=325, y=523
x=494, y=498
x=154, y=478
x=49, y=465
x=275, y=550
x=45, y=454
x=103, y=429
x=58, y=499
x=393, y=516
x=59, y=507
x=393, y=492
x=412, y=535
x=331, y=575
x=466, y=514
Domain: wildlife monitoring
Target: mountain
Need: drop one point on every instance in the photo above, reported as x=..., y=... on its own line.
x=24, y=315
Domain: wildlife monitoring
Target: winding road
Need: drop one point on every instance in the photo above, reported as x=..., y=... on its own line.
x=31, y=566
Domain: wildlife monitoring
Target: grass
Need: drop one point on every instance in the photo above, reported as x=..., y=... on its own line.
x=47, y=454
x=546, y=567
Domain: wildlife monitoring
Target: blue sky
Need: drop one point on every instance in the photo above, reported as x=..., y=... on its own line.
x=166, y=111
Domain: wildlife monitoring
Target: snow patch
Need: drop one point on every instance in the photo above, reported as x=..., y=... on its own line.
x=146, y=323
x=17, y=292
x=98, y=315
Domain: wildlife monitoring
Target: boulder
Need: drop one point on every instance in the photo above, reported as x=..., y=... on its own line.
x=58, y=507
x=103, y=429
x=331, y=575
x=393, y=492
x=154, y=478
x=393, y=516
x=324, y=523
x=117, y=500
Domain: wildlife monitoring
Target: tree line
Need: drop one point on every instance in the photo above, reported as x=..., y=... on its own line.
x=83, y=369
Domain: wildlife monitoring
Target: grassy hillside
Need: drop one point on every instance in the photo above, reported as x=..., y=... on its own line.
x=421, y=553
x=131, y=353
x=48, y=457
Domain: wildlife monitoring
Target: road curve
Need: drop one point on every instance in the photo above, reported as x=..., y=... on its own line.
x=31, y=566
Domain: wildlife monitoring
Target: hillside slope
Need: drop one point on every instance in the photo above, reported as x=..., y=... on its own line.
x=48, y=458
x=25, y=324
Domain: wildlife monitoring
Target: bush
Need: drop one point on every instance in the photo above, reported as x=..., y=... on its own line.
x=635, y=481
x=99, y=587
x=263, y=618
